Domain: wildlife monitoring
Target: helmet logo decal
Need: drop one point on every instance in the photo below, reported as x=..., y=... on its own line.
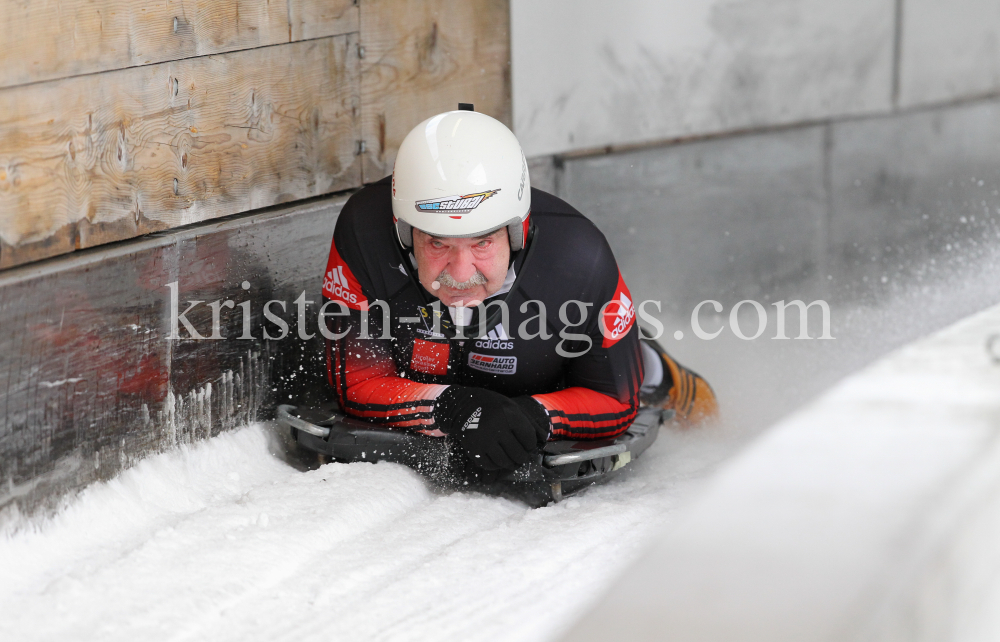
x=524, y=175
x=454, y=204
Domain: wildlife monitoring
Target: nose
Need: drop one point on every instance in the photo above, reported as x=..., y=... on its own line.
x=461, y=265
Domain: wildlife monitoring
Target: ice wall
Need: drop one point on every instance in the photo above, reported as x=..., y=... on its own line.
x=91, y=378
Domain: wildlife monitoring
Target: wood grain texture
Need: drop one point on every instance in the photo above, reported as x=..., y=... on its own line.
x=49, y=39
x=106, y=157
x=320, y=18
x=423, y=57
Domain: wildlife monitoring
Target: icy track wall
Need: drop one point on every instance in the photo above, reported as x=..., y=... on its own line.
x=91, y=382
x=761, y=148
x=871, y=514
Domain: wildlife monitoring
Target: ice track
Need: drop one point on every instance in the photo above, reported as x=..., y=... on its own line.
x=225, y=541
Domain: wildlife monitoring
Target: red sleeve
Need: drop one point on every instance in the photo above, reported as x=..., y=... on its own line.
x=362, y=371
x=582, y=413
x=367, y=385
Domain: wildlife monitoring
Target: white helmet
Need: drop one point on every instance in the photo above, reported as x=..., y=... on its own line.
x=461, y=174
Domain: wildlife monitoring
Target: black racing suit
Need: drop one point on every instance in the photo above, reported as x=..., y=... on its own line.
x=570, y=341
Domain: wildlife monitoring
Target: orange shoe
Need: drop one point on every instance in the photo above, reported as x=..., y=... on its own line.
x=679, y=389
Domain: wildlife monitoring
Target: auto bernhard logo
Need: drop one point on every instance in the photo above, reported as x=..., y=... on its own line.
x=493, y=365
x=454, y=204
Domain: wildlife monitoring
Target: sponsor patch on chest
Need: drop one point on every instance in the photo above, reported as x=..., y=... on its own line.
x=430, y=357
x=492, y=364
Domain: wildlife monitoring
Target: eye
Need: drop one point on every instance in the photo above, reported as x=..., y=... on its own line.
x=437, y=244
x=483, y=243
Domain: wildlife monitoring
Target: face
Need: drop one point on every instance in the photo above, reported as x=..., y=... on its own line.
x=466, y=271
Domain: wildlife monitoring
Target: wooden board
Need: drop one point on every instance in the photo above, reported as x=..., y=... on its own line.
x=424, y=57
x=319, y=18
x=105, y=157
x=48, y=39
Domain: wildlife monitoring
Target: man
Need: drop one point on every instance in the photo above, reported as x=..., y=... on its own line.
x=484, y=310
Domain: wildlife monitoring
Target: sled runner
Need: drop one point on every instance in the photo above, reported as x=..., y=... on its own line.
x=562, y=468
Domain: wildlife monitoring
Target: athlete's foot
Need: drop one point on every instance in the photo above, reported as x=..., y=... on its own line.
x=679, y=389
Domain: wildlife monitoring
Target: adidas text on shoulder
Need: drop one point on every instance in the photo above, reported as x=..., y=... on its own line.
x=619, y=315
x=339, y=283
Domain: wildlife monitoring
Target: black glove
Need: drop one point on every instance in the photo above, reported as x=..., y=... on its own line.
x=495, y=432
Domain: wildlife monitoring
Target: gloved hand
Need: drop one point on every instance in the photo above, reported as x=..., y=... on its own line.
x=494, y=431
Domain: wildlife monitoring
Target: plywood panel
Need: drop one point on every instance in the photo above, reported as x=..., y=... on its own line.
x=424, y=57
x=319, y=18
x=48, y=39
x=105, y=157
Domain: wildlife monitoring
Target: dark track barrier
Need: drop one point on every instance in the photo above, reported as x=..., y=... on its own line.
x=89, y=380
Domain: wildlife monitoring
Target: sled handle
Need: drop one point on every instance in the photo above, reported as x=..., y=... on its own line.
x=584, y=455
x=285, y=416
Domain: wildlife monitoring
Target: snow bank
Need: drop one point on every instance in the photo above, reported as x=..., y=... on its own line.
x=873, y=513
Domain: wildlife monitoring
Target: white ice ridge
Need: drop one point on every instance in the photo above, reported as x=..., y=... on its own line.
x=220, y=540
x=871, y=514
x=60, y=382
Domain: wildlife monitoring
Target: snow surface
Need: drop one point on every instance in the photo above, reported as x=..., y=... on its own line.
x=223, y=540
x=871, y=514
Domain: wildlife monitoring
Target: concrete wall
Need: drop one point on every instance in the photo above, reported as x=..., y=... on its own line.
x=587, y=74
x=766, y=148
x=949, y=50
x=844, y=210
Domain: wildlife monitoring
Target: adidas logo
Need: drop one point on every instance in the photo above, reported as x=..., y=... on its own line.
x=336, y=285
x=626, y=312
x=473, y=422
x=495, y=339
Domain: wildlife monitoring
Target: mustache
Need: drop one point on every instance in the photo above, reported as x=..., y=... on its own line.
x=449, y=281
